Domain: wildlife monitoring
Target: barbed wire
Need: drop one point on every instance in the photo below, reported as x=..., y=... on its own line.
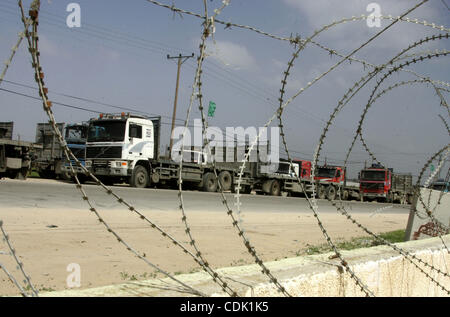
x=14, y=49
x=13, y=280
x=32, y=41
x=398, y=63
x=13, y=254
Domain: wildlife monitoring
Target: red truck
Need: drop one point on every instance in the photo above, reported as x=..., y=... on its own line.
x=327, y=179
x=380, y=183
x=330, y=178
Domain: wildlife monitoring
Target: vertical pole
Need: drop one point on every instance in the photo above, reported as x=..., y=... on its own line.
x=181, y=60
x=175, y=107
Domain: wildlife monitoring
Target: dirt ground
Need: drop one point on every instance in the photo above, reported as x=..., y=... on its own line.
x=47, y=241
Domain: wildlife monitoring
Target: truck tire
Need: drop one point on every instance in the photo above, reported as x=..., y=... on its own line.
x=389, y=198
x=225, y=180
x=321, y=192
x=266, y=186
x=275, y=189
x=331, y=192
x=140, y=177
x=345, y=195
x=209, y=182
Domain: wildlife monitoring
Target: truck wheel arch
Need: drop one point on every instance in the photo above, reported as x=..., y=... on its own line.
x=140, y=177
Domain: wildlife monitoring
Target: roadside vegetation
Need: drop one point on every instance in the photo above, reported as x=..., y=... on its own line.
x=354, y=243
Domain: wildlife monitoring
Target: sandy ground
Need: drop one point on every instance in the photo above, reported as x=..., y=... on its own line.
x=47, y=241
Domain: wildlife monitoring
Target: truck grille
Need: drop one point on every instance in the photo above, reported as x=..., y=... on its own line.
x=104, y=152
x=372, y=186
x=79, y=153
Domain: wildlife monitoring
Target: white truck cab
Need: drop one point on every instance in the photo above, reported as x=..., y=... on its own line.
x=117, y=144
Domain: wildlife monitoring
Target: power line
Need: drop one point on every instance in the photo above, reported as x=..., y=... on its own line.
x=119, y=107
x=160, y=48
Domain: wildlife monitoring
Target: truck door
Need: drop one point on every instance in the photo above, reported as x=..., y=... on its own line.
x=135, y=139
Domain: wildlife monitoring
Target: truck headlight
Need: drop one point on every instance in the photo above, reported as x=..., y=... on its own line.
x=121, y=164
x=88, y=163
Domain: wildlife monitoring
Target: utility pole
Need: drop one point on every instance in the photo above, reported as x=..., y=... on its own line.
x=181, y=60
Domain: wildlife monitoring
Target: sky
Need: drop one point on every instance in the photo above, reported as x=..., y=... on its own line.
x=117, y=61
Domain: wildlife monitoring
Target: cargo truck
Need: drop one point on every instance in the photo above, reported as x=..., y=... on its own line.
x=331, y=181
x=48, y=159
x=125, y=148
x=380, y=183
x=75, y=136
x=15, y=158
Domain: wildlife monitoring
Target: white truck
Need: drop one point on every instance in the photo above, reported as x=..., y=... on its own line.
x=125, y=148
x=119, y=148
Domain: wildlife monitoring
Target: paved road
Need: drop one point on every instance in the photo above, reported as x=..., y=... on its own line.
x=38, y=193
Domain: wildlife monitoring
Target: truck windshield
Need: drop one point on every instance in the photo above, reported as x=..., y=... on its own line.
x=373, y=175
x=283, y=167
x=440, y=186
x=76, y=133
x=106, y=131
x=326, y=172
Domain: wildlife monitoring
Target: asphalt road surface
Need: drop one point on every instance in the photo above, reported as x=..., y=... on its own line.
x=50, y=194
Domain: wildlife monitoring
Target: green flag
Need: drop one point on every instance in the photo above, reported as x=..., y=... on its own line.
x=432, y=167
x=212, y=109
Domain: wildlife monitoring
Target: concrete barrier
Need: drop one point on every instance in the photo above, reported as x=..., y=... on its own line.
x=420, y=225
x=382, y=269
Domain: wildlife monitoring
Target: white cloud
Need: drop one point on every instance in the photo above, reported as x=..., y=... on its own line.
x=345, y=37
x=231, y=54
x=321, y=12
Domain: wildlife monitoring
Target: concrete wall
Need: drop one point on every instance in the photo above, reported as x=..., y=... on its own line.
x=438, y=203
x=382, y=269
x=392, y=277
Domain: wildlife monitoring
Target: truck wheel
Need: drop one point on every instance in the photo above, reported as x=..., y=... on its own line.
x=139, y=178
x=322, y=191
x=275, y=189
x=209, y=182
x=266, y=186
x=345, y=195
x=331, y=192
x=389, y=198
x=225, y=180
